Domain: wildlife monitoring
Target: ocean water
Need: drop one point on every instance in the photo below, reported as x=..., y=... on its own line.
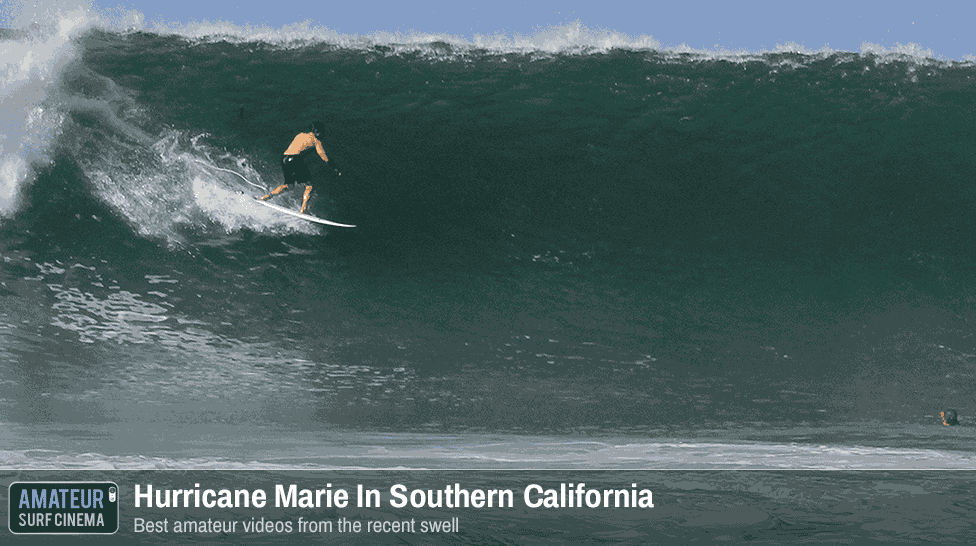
x=573, y=251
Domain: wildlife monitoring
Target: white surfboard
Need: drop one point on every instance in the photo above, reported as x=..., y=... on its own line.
x=297, y=214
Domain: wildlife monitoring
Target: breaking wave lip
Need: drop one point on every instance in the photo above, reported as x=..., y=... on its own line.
x=570, y=37
x=71, y=18
x=37, y=49
x=573, y=37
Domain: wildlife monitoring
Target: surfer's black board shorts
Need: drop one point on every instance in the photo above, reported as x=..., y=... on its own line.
x=295, y=170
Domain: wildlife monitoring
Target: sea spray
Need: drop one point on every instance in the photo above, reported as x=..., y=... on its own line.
x=34, y=51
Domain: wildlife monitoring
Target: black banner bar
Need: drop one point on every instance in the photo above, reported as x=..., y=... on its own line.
x=508, y=506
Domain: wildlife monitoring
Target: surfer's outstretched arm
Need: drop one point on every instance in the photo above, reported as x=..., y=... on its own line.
x=320, y=149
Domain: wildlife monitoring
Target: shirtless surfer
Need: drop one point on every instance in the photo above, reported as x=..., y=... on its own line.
x=293, y=166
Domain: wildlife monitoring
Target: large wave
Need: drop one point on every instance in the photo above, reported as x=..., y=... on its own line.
x=159, y=178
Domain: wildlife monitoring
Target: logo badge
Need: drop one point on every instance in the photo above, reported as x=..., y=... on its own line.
x=63, y=508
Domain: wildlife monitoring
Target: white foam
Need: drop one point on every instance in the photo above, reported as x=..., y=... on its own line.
x=30, y=66
x=183, y=185
x=27, y=69
x=13, y=169
x=567, y=38
x=235, y=211
x=347, y=450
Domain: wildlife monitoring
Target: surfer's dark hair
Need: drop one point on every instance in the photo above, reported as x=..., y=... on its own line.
x=318, y=129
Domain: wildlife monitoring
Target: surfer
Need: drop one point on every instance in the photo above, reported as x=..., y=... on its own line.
x=294, y=167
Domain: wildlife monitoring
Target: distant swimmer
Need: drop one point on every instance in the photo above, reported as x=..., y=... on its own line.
x=949, y=417
x=293, y=165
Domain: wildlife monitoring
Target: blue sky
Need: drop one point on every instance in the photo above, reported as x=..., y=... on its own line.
x=943, y=27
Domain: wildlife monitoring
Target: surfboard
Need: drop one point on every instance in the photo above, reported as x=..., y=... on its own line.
x=297, y=214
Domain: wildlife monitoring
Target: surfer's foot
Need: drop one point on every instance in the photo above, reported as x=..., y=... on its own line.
x=275, y=191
